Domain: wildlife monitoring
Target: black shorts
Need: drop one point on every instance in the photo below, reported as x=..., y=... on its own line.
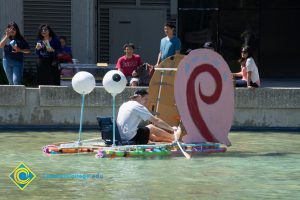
x=142, y=135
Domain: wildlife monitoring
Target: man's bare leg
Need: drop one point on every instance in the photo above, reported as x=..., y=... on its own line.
x=160, y=135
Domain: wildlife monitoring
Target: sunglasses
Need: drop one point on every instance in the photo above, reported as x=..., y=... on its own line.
x=12, y=28
x=45, y=29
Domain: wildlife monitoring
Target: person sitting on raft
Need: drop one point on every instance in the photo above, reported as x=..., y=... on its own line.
x=132, y=112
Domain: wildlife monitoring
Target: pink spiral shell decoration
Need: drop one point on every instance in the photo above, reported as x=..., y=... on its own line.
x=205, y=97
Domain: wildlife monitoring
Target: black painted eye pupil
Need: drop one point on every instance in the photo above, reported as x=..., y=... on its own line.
x=116, y=77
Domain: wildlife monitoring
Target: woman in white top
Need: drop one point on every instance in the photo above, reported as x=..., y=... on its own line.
x=249, y=73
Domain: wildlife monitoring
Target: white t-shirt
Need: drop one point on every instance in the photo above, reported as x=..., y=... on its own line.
x=251, y=66
x=130, y=115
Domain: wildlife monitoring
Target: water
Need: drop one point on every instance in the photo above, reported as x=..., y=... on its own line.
x=258, y=166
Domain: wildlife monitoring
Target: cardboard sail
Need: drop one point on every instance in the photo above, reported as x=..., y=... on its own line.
x=205, y=97
x=161, y=91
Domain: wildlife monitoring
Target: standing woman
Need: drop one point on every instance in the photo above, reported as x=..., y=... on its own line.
x=248, y=76
x=47, y=48
x=14, y=46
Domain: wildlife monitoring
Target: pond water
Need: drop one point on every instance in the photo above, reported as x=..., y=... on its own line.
x=259, y=165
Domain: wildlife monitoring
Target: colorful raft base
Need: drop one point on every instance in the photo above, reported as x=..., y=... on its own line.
x=149, y=150
x=73, y=147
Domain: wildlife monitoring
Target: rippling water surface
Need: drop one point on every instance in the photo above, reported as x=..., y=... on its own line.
x=259, y=165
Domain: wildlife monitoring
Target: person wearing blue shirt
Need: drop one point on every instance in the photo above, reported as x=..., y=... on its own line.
x=169, y=45
x=65, y=56
x=64, y=47
x=14, y=46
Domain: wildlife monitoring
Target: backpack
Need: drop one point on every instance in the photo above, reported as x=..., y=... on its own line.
x=145, y=72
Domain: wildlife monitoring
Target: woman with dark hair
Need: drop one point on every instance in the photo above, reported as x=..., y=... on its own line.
x=47, y=48
x=14, y=46
x=248, y=76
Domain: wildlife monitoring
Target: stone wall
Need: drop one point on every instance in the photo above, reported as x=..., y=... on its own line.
x=60, y=107
x=267, y=107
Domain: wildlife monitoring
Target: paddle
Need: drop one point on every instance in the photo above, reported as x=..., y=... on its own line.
x=187, y=156
x=162, y=70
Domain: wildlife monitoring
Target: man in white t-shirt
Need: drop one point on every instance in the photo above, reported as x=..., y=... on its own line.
x=132, y=112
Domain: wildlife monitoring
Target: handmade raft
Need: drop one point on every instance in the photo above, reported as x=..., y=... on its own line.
x=205, y=111
x=158, y=150
x=162, y=149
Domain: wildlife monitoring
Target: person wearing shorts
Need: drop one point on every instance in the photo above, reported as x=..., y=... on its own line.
x=142, y=135
x=132, y=112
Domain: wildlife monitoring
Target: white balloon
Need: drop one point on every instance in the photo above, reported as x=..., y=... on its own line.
x=114, y=82
x=83, y=82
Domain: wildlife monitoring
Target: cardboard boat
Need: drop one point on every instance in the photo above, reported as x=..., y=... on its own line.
x=195, y=90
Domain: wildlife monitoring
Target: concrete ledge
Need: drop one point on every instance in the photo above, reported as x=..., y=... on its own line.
x=65, y=96
x=50, y=106
x=12, y=95
x=267, y=108
x=267, y=98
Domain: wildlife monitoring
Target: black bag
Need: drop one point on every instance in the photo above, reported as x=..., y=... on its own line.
x=106, y=128
x=145, y=72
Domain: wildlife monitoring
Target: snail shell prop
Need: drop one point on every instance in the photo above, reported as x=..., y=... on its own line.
x=204, y=97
